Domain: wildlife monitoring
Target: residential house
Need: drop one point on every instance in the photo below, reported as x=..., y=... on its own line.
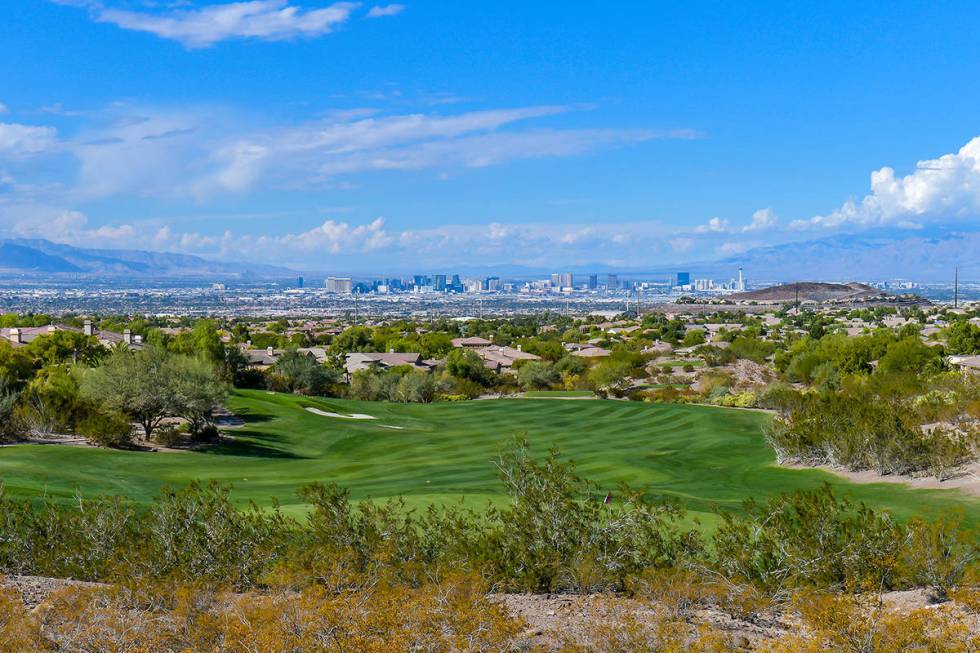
x=359, y=361
x=470, y=342
x=501, y=359
x=966, y=363
x=591, y=352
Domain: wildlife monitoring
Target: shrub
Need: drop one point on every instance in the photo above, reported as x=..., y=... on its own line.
x=106, y=428
x=537, y=375
x=810, y=538
x=169, y=435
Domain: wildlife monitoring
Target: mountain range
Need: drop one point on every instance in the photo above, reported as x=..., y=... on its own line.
x=42, y=257
x=921, y=257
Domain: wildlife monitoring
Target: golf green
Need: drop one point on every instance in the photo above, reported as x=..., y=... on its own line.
x=707, y=458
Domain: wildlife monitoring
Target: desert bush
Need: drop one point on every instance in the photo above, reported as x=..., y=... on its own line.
x=810, y=538
x=106, y=428
x=860, y=623
x=861, y=432
x=537, y=375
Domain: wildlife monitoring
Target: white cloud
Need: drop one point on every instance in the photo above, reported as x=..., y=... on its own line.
x=715, y=225
x=18, y=139
x=313, y=153
x=147, y=151
x=681, y=245
x=379, y=11
x=497, y=231
x=762, y=220
x=202, y=151
x=946, y=188
x=269, y=20
x=732, y=248
x=72, y=227
x=340, y=238
x=585, y=234
x=3, y=109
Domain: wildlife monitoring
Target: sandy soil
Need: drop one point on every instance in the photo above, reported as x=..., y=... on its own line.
x=550, y=618
x=34, y=590
x=323, y=413
x=968, y=481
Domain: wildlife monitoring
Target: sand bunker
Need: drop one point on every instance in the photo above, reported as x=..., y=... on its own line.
x=317, y=411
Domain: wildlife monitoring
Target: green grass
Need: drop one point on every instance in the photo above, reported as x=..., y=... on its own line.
x=561, y=394
x=708, y=458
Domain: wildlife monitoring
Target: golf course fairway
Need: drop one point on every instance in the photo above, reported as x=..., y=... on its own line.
x=708, y=459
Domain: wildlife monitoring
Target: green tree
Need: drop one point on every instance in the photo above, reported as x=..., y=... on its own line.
x=465, y=364
x=910, y=355
x=51, y=403
x=66, y=347
x=356, y=338
x=963, y=338
x=197, y=391
x=16, y=367
x=536, y=375
x=694, y=337
x=610, y=374
x=137, y=384
x=416, y=387
x=300, y=373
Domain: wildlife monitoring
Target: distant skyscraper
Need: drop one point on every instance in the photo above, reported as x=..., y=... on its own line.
x=421, y=280
x=565, y=279
x=457, y=285
x=341, y=285
x=439, y=283
x=683, y=278
x=593, y=281
x=741, y=281
x=612, y=282
x=299, y=282
x=556, y=280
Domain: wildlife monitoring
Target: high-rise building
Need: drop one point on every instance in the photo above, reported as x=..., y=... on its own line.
x=492, y=283
x=439, y=283
x=556, y=280
x=741, y=281
x=683, y=279
x=565, y=280
x=457, y=285
x=593, y=281
x=420, y=280
x=299, y=282
x=340, y=285
x=612, y=282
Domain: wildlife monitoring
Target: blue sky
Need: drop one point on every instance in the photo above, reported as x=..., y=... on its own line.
x=366, y=136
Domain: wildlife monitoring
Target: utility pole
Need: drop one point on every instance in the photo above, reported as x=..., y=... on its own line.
x=956, y=286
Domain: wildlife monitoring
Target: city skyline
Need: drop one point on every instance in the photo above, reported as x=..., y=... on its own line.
x=655, y=136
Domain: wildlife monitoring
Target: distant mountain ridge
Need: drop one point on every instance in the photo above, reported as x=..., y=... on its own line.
x=925, y=257
x=39, y=256
x=813, y=291
x=919, y=256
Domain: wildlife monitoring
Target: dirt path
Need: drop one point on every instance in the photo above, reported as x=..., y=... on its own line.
x=967, y=482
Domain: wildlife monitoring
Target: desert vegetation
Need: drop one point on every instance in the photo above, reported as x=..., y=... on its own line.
x=194, y=570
